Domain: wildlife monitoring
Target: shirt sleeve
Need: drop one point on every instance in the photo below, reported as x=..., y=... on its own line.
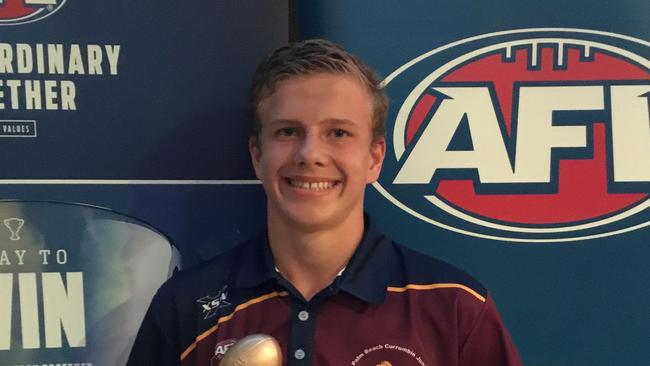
x=156, y=342
x=488, y=342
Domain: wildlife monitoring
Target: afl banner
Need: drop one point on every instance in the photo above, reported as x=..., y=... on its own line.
x=498, y=124
x=518, y=148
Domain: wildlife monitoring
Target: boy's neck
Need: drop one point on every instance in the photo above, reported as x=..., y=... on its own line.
x=311, y=259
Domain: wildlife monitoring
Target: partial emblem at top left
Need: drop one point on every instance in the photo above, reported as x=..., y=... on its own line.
x=14, y=12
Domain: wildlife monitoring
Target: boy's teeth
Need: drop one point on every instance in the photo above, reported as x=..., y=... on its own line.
x=312, y=185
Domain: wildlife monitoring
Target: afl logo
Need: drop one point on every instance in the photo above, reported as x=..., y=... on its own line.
x=531, y=135
x=14, y=12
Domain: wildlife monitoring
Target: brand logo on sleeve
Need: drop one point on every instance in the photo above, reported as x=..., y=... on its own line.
x=523, y=135
x=14, y=12
x=210, y=305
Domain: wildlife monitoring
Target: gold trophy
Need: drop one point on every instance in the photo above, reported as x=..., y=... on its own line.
x=254, y=350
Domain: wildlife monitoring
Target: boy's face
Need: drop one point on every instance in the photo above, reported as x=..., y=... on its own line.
x=315, y=152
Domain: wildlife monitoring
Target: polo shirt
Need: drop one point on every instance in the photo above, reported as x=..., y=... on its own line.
x=390, y=306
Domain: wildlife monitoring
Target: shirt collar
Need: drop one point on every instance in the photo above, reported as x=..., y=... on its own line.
x=256, y=263
x=365, y=276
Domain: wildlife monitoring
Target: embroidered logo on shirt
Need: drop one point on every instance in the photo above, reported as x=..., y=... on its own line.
x=377, y=356
x=210, y=305
x=220, y=350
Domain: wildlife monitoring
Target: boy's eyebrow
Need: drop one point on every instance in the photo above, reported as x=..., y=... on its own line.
x=335, y=121
x=340, y=121
x=283, y=121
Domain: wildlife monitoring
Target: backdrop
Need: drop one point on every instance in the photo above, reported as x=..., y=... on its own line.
x=518, y=149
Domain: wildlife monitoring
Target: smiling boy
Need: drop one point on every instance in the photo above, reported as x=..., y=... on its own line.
x=314, y=154
x=320, y=279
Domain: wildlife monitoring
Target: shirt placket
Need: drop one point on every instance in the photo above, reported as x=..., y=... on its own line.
x=301, y=333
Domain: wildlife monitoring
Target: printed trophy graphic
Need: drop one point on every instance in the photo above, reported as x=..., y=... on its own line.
x=14, y=225
x=254, y=350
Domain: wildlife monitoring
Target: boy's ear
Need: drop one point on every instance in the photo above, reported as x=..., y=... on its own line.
x=256, y=153
x=377, y=153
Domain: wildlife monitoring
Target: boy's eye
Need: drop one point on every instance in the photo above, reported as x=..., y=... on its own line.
x=286, y=131
x=338, y=132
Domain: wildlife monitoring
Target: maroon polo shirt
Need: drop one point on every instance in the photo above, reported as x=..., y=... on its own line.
x=391, y=306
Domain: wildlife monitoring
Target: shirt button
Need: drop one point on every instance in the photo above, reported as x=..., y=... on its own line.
x=299, y=354
x=303, y=315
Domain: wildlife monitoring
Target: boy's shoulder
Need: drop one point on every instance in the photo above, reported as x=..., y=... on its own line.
x=413, y=269
x=215, y=272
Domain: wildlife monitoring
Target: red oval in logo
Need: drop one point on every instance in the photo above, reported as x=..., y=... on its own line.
x=574, y=201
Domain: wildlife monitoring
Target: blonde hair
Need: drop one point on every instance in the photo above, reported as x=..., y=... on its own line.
x=311, y=57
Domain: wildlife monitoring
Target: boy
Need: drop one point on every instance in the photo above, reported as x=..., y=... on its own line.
x=321, y=280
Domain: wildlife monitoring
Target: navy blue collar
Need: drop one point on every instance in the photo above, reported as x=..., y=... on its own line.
x=256, y=263
x=365, y=277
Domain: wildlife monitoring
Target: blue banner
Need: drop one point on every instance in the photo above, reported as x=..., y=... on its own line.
x=123, y=132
